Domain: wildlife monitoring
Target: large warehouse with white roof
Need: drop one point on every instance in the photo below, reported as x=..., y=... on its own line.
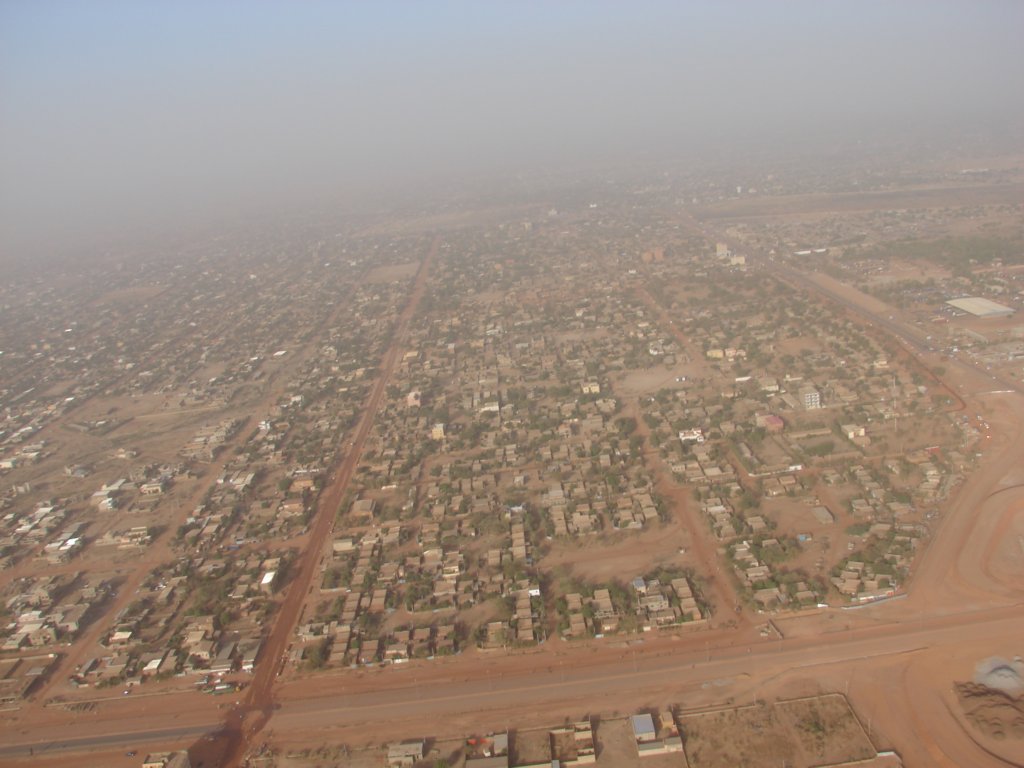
x=981, y=307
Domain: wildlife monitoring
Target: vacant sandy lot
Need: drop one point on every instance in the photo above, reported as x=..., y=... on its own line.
x=800, y=733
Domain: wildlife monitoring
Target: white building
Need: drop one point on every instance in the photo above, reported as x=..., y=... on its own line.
x=695, y=435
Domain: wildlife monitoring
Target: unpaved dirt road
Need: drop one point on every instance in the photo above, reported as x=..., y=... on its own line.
x=249, y=717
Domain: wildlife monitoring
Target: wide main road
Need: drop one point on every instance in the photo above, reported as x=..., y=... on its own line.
x=619, y=678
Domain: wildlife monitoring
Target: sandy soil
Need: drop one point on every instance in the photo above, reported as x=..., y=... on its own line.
x=618, y=556
x=802, y=732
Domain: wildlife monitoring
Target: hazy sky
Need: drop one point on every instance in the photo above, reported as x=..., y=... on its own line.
x=122, y=114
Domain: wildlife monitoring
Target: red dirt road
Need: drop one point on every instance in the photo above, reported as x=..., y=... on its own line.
x=251, y=715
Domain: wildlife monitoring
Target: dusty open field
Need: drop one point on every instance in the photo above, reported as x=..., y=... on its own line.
x=802, y=732
x=620, y=555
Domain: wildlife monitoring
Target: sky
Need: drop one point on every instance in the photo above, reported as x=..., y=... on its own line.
x=119, y=116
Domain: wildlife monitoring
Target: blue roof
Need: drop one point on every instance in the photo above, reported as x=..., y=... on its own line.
x=642, y=724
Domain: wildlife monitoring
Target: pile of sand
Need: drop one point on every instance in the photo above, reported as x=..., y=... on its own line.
x=993, y=712
x=1001, y=675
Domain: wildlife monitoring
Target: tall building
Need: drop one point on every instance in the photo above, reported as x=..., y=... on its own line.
x=810, y=397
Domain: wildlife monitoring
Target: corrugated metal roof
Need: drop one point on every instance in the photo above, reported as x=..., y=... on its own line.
x=980, y=307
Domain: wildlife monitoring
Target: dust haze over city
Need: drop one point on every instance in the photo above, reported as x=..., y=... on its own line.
x=122, y=115
x=511, y=384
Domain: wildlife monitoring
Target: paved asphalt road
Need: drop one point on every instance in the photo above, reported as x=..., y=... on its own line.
x=684, y=671
x=129, y=741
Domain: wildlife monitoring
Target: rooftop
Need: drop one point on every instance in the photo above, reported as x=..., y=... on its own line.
x=980, y=307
